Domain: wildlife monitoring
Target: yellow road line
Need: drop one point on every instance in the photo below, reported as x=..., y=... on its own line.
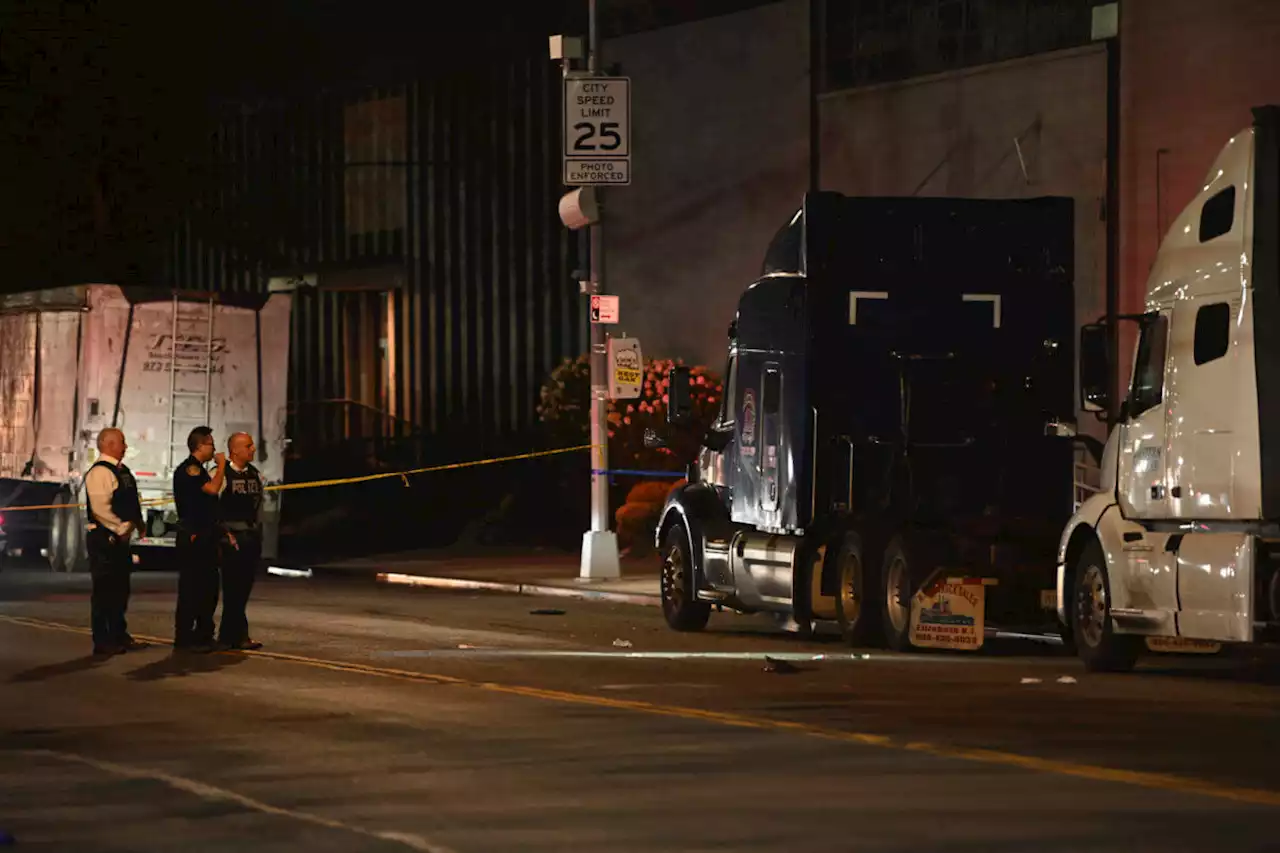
x=1138, y=778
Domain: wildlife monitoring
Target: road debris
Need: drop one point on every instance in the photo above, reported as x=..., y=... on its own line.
x=623, y=644
x=546, y=611
x=1030, y=681
x=781, y=667
x=1066, y=679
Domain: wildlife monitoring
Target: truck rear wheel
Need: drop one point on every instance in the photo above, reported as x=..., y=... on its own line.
x=855, y=608
x=1097, y=644
x=680, y=605
x=896, y=572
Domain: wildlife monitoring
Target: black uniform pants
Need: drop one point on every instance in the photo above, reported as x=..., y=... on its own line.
x=197, y=588
x=239, y=570
x=109, y=566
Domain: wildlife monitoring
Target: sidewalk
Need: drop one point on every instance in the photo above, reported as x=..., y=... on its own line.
x=540, y=573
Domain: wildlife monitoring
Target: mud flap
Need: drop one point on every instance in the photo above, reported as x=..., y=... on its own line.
x=950, y=613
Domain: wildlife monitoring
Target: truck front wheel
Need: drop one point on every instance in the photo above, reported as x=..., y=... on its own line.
x=1097, y=644
x=679, y=592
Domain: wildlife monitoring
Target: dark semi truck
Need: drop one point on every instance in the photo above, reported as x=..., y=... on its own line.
x=894, y=452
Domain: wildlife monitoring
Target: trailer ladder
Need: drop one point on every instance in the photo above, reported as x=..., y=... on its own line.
x=190, y=374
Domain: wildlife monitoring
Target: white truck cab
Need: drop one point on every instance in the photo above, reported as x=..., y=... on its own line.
x=1178, y=542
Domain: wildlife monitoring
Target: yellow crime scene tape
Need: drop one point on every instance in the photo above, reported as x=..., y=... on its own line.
x=344, y=481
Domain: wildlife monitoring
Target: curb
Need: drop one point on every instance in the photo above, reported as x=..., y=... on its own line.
x=545, y=590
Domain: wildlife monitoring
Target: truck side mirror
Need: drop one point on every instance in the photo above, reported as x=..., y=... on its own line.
x=1095, y=368
x=679, y=397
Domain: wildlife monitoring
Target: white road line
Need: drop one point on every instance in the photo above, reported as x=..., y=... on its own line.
x=557, y=653
x=210, y=792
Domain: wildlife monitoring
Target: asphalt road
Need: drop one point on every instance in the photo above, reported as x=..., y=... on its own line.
x=394, y=718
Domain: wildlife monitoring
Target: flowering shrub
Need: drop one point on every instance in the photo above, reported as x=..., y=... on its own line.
x=565, y=409
x=638, y=517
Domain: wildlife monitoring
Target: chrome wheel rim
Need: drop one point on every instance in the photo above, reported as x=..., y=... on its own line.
x=897, y=603
x=673, y=578
x=1091, y=606
x=850, y=600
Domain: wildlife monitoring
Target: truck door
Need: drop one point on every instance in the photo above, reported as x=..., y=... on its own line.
x=1142, y=466
x=770, y=435
x=1202, y=405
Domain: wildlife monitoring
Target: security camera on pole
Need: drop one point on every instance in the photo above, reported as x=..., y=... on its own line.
x=597, y=152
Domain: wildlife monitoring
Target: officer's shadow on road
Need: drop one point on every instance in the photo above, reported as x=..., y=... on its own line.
x=52, y=670
x=182, y=664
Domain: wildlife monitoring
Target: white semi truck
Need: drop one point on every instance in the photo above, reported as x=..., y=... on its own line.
x=1180, y=544
x=153, y=362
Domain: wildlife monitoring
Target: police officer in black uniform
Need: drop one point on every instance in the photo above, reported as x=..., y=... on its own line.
x=241, y=513
x=199, y=534
x=113, y=513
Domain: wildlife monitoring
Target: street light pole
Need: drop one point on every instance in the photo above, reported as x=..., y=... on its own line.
x=599, y=544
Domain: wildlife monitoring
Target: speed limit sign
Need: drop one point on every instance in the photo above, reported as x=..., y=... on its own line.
x=597, y=131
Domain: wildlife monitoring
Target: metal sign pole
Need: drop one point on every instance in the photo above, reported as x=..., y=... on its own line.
x=600, y=544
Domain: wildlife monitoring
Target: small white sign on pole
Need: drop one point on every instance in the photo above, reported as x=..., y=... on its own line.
x=604, y=309
x=626, y=368
x=597, y=131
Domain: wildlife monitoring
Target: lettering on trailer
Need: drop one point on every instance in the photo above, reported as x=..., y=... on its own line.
x=192, y=353
x=597, y=131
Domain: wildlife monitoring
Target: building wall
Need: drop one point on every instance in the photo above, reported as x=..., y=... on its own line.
x=426, y=213
x=719, y=113
x=721, y=158
x=1190, y=72
x=1018, y=129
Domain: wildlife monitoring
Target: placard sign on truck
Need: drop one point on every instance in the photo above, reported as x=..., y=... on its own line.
x=152, y=362
x=949, y=614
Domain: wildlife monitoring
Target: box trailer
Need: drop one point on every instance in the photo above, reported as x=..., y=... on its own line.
x=154, y=362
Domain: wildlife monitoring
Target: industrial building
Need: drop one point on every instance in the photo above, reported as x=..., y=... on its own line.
x=416, y=204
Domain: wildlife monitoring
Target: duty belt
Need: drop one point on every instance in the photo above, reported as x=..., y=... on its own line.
x=241, y=526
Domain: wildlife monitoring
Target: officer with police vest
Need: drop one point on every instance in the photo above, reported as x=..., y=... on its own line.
x=241, y=512
x=199, y=535
x=113, y=512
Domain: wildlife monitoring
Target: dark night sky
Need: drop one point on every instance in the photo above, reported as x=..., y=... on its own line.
x=103, y=103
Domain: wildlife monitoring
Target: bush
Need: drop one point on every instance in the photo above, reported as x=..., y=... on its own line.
x=565, y=409
x=638, y=516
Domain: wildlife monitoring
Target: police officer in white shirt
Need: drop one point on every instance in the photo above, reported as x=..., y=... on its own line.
x=113, y=513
